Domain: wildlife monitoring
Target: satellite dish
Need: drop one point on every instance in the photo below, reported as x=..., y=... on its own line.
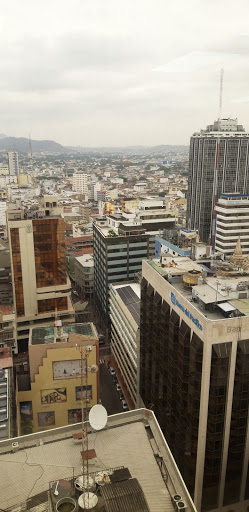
x=98, y=417
x=87, y=500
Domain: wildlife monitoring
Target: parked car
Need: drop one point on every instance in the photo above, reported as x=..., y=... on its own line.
x=124, y=405
x=121, y=396
x=118, y=387
x=115, y=380
x=112, y=371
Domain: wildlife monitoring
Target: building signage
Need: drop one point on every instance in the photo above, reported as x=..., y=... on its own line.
x=185, y=311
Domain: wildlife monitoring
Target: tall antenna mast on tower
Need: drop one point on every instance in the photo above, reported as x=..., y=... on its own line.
x=31, y=154
x=221, y=92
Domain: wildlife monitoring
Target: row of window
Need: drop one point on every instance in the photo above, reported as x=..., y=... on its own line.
x=55, y=396
x=46, y=419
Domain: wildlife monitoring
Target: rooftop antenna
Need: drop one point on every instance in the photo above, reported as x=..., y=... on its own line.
x=98, y=422
x=221, y=92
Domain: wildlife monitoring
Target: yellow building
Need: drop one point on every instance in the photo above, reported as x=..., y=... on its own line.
x=109, y=208
x=23, y=180
x=129, y=204
x=49, y=394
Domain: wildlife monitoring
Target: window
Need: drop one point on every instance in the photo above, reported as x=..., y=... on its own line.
x=87, y=392
x=45, y=419
x=26, y=409
x=74, y=415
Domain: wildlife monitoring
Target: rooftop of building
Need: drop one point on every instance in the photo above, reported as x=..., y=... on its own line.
x=216, y=297
x=74, y=240
x=41, y=335
x=84, y=250
x=131, y=440
x=6, y=360
x=86, y=259
x=118, y=228
x=130, y=294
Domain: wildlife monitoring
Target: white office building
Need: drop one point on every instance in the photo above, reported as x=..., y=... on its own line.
x=125, y=322
x=2, y=213
x=232, y=222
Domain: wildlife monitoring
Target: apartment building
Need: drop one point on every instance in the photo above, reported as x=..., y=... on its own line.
x=80, y=183
x=13, y=163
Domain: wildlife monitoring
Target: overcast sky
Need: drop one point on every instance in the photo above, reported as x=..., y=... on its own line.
x=121, y=72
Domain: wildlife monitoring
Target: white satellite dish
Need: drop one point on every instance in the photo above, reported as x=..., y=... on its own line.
x=98, y=417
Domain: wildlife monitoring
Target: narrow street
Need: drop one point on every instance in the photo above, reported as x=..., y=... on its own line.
x=108, y=393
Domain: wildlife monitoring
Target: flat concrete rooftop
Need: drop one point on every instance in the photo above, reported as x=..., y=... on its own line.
x=41, y=335
x=211, y=292
x=132, y=439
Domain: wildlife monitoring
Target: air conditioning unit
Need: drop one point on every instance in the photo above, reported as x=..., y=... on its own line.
x=15, y=447
x=181, y=506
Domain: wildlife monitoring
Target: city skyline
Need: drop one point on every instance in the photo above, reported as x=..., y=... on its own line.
x=96, y=74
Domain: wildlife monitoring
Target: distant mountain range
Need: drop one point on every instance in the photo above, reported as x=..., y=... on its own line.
x=22, y=145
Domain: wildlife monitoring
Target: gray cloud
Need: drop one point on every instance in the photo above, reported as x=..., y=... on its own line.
x=86, y=71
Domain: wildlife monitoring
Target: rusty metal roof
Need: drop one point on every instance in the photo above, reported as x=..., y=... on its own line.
x=125, y=496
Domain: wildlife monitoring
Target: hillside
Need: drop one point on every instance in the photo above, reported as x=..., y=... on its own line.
x=22, y=145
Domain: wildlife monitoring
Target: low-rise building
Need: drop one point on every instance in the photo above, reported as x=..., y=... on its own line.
x=8, y=327
x=84, y=276
x=61, y=361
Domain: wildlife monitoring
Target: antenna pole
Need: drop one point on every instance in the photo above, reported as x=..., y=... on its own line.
x=82, y=423
x=31, y=154
x=221, y=92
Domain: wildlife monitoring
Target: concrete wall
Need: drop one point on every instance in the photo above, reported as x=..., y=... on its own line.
x=43, y=380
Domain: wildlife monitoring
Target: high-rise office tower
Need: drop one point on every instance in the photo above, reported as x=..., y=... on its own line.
x=13, y=163
x=194, y=361
x=218, y=163
x=41, y=286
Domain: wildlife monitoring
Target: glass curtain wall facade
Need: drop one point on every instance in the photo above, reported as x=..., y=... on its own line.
x=227, y=152
x=171, y=375
x=50, y=253
x=17, y=269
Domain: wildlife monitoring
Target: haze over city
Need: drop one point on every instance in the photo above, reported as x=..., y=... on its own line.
x=97, y=73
